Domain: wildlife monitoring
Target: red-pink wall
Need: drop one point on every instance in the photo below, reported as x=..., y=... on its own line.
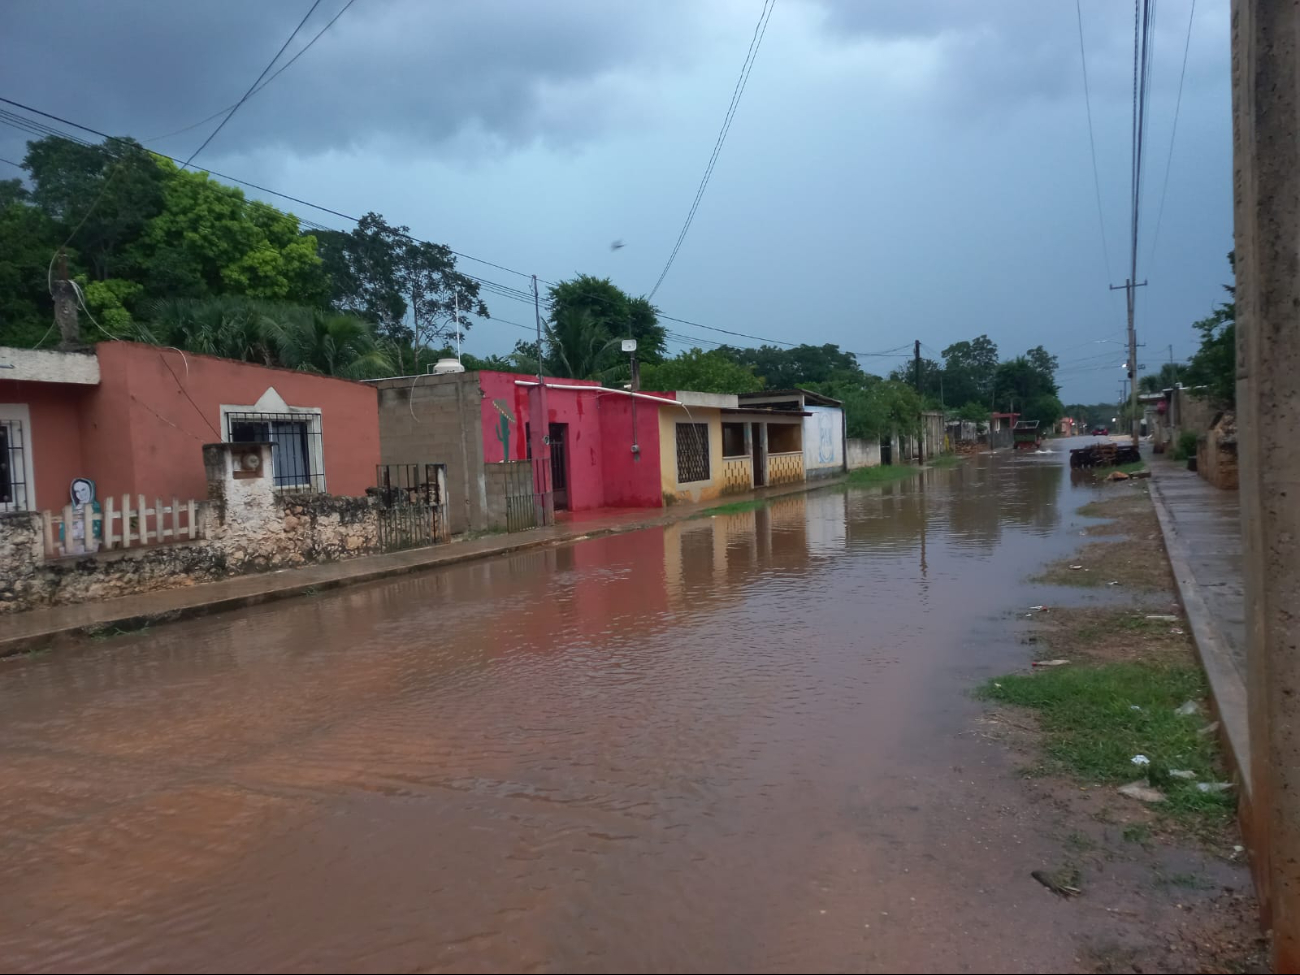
x=630, y=482
x=599, y=434
x=54, y=440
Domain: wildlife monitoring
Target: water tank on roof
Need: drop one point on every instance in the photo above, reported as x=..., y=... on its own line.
x=445, y=367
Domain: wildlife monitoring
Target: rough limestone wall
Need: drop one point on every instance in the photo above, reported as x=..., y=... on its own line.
x=244, y=534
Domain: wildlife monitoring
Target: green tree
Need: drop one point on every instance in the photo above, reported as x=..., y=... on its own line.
x=705, y=372
x=1170, y=374
x=107, y=193
x=797, y=366
x=588, y=304
x=875, y=407
x=28, y=240
x=1214, y=366
x=209, y=235
x=969, y=369
x=1026, y=385
x=579, y=346
x=408, y=288
x=932, y=388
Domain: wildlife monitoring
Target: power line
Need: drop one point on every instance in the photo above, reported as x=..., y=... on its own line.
x=11, y=163
x=1173, y=134
x=278, y=71
x=231, y=114
x=742, y=80
x=495, y=287
x=1092, y=142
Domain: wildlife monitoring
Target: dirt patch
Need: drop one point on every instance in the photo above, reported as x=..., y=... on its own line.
x=1165, y=885
x=1157, y=634
x=1133, y=561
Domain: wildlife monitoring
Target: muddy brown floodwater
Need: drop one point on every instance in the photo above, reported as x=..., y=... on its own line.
x=730, y=744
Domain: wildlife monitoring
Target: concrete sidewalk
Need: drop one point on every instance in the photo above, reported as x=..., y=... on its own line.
x=41, y=628
x=1202, y=532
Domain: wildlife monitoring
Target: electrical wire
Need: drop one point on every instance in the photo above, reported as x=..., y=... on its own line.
x=11, y=162
x=278, y=71
x=1173, y=134
x=248, y=94
x=1092, y=142
x=760, y=29
x=494, y=287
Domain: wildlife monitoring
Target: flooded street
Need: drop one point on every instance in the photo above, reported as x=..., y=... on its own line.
x=738, y=743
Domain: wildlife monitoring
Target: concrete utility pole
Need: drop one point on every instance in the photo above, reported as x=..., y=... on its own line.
x=65, y=306
x=1266, y=191
x=918, y=366
x=1130, y=289
x=542, y=429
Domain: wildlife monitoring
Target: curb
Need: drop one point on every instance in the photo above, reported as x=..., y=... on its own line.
x=1227, y=691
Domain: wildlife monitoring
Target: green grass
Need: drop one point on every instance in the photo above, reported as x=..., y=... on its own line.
x=1093, y=730
x=871, y=476
x=944, y=460
x=734, y=508
x=1139, y=833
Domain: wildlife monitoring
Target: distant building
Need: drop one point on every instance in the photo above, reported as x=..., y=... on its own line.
x=605, y=448
x=823, y=426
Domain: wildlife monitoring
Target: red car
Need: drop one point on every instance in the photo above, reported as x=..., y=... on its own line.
x=1101, y=431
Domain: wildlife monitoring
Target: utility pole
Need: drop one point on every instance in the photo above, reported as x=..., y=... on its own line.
x=918, y=366
x=1266, y=187
x=1129, y=287
x=542, y=430
x=65, y=306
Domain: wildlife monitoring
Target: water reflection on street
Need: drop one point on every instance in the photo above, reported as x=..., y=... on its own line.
x=712, y=746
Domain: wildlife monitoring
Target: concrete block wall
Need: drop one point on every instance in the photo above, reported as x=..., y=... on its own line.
x=862, y=453
x=438, y=420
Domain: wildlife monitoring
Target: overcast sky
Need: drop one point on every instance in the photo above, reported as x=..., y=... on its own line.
x=897, y=169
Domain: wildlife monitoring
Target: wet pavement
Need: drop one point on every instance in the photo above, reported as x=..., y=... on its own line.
x=739, y=743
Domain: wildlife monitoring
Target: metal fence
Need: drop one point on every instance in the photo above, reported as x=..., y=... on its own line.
x=412, y=505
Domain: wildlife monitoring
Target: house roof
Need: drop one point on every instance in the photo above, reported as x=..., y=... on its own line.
x=762, y=411
x=807, y=394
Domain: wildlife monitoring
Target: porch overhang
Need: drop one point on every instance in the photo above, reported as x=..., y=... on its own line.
x=48, y=366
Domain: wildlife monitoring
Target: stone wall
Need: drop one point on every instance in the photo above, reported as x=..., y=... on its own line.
x=246, y=526
x=1216, y=453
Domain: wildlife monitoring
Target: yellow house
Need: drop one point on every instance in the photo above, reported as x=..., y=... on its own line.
x=710, y=446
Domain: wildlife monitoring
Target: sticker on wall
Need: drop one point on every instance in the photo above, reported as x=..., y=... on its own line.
x=82, y=494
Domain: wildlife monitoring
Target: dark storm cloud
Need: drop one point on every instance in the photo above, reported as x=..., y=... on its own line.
x=409, y=73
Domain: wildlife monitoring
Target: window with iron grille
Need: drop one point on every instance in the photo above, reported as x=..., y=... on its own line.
x=297, y=460
x=13, y=467
x=692, y=452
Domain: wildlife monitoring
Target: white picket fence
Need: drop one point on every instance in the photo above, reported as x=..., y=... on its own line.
x=75, y=531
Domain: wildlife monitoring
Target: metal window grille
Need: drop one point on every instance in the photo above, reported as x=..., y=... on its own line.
x=297, y=457
x=13, y=467
x=692, y=452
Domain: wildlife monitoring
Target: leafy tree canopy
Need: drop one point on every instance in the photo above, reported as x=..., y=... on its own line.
x=1214, y=366
x=705, y=372
x=596, y=305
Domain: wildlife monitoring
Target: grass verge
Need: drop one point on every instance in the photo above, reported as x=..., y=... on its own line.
x=1096, y=718
x=944, y=460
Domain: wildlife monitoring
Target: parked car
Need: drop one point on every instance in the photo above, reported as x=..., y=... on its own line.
x=1101, y=431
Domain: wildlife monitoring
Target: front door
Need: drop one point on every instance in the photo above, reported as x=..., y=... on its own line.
x=759, y=453
x=559, y=433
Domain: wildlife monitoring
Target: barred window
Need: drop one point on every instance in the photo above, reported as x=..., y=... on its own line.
x=692, y=452
x=295, y=438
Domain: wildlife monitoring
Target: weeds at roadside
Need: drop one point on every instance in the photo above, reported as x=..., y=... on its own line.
x=734, y=508
x=944, y=460
x=1139, y=833
x=1095, y=719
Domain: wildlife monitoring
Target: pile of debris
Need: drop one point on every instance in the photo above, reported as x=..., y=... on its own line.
x=1105, y=454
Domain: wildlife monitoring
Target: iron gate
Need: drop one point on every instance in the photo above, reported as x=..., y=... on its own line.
x=525, y=505
x=412, y=505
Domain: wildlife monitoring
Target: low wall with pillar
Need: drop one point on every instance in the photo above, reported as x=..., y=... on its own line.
x=245, y=526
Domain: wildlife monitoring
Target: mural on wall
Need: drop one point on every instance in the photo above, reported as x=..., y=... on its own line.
x=823, y=443
x=503, y=427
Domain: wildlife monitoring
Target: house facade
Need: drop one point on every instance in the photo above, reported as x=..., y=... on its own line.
x=587, y=447
x=131, y=418
x=823, y=427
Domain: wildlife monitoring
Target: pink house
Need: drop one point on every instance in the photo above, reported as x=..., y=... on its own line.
x=132, y=418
